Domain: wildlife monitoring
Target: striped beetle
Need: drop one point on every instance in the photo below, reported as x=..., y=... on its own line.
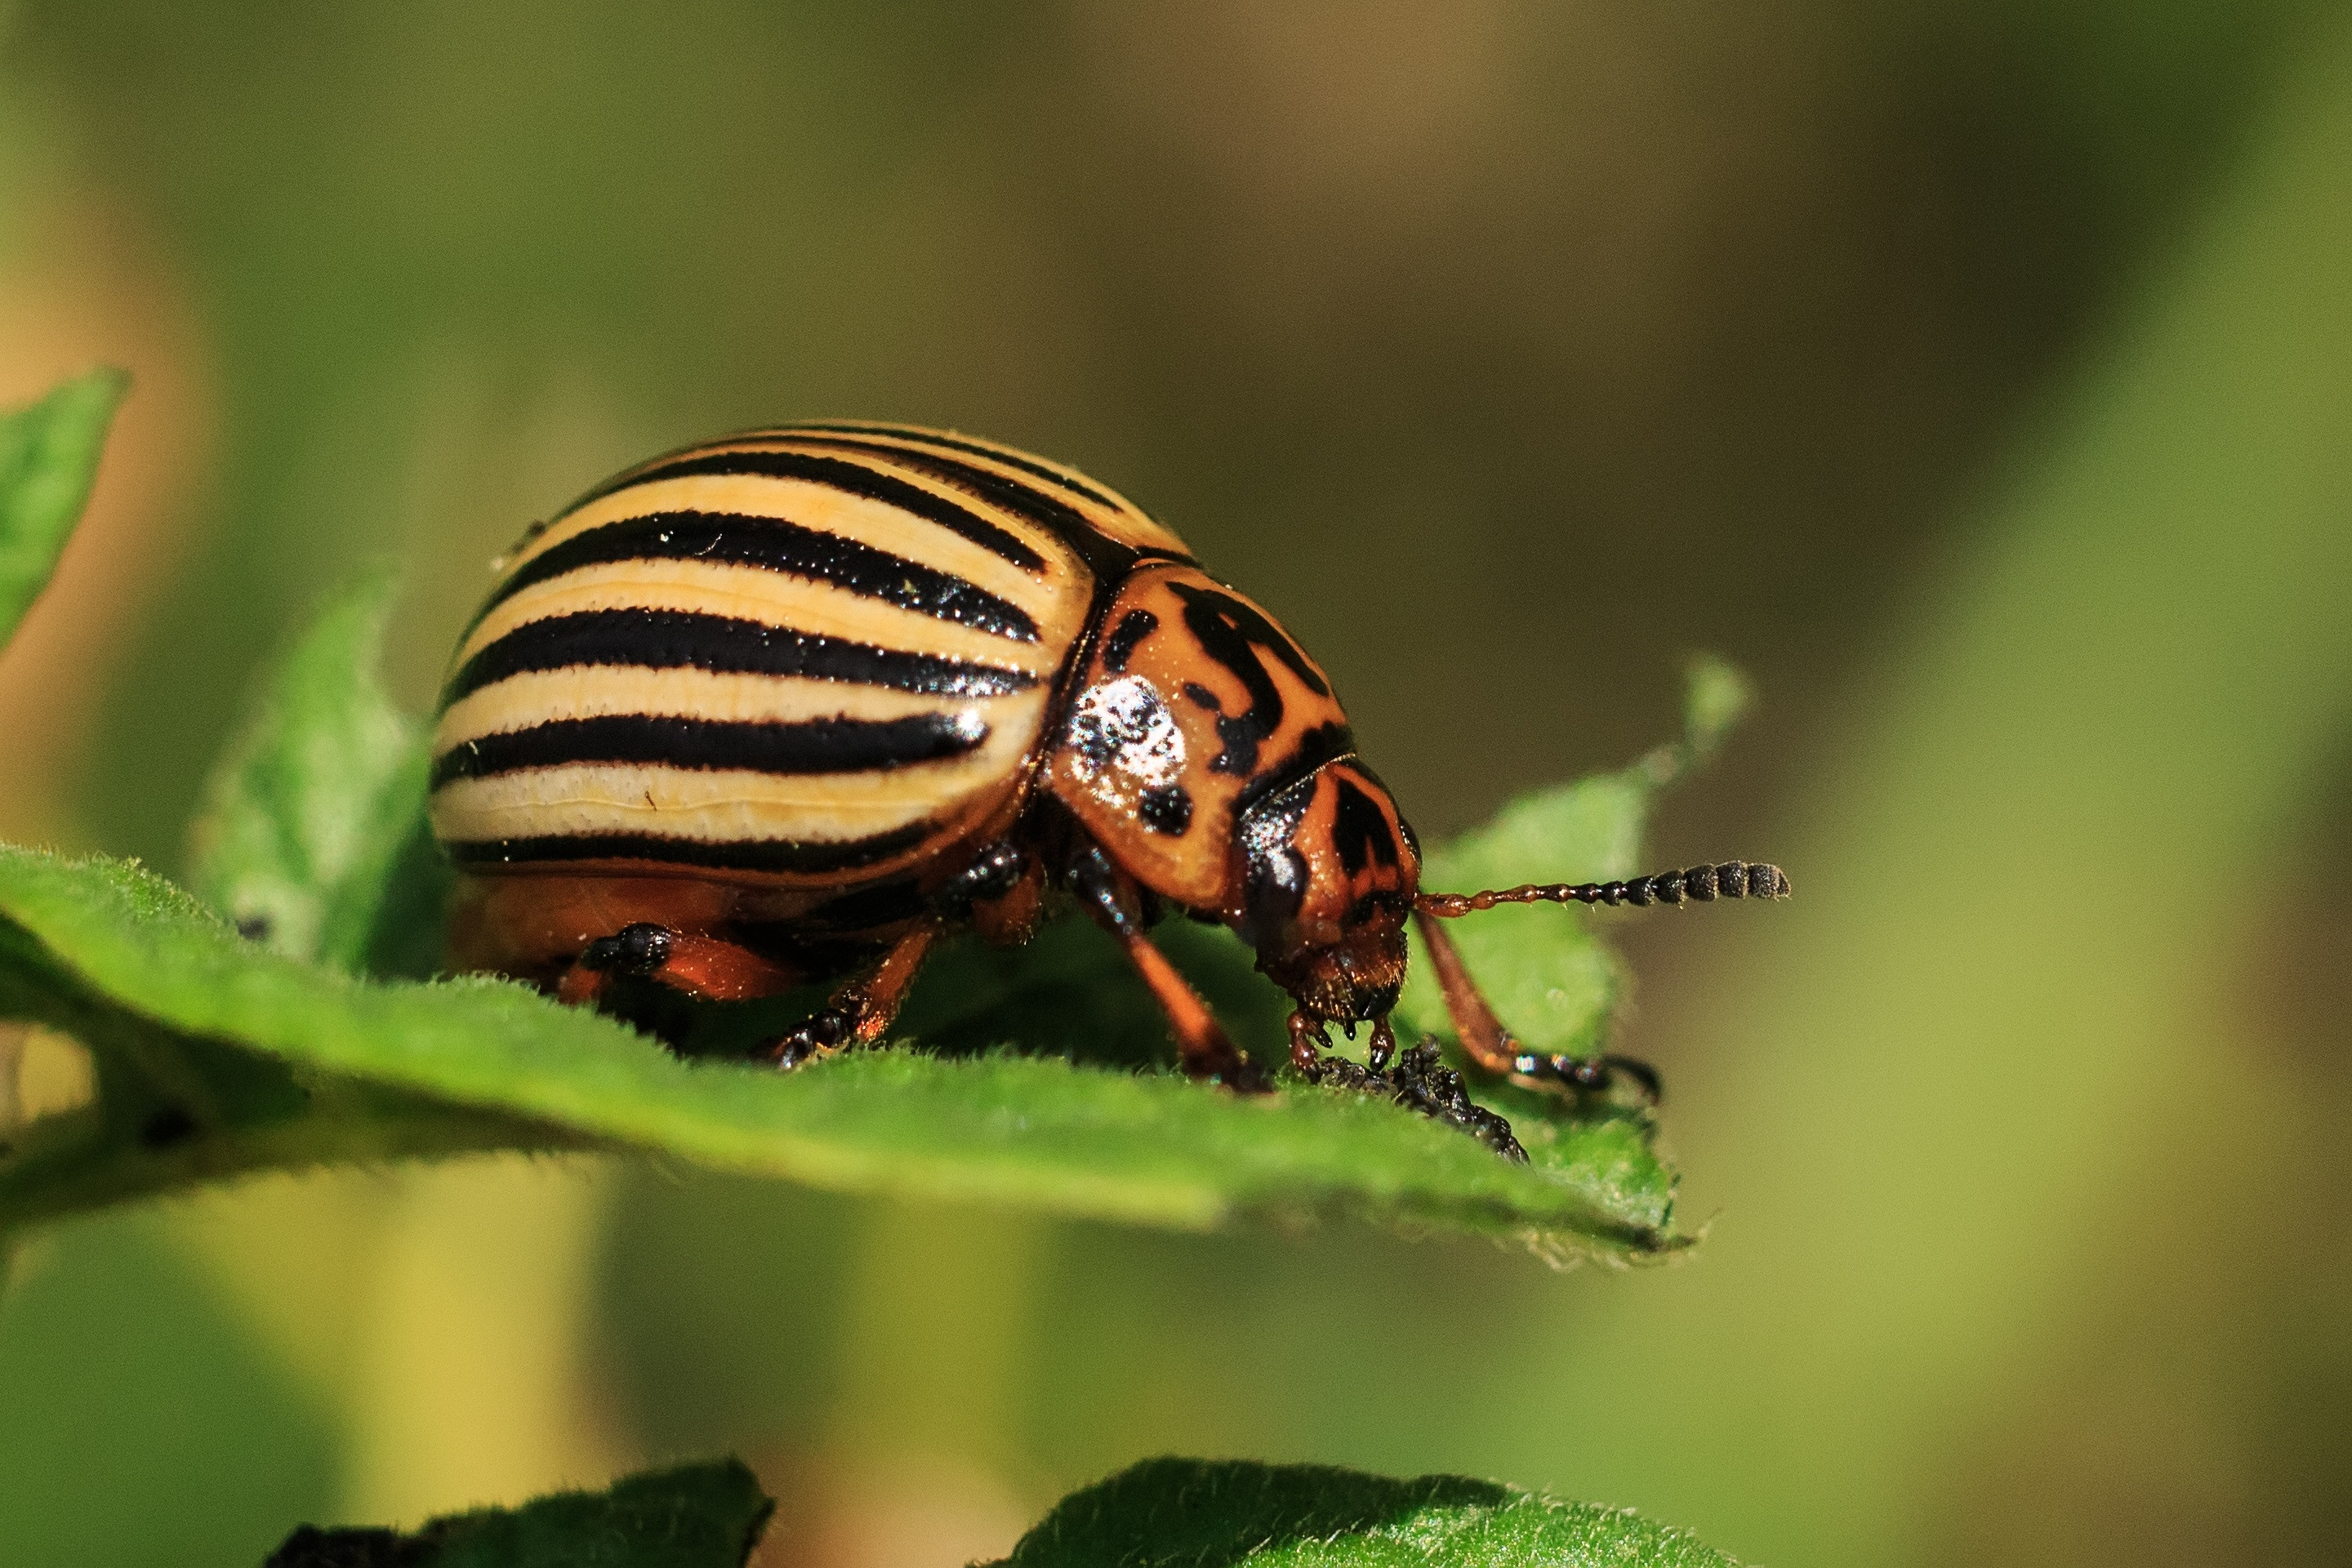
x=793, y=704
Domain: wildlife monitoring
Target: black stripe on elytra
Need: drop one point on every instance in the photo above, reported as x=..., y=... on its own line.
x=682, y=639
x=1010, y=460
x=816, y=856
x=774, y=544
x=829, y=745
x=835, y=473
x=1105, y=557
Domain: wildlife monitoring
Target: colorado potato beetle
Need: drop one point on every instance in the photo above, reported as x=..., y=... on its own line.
x=793, y=704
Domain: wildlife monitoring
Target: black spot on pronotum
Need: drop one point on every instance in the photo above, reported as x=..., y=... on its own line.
x=1165, y=810
x=1359, y=831
x=253, y=928
x=168, y=1125
x=1120, y=647
x=1229, y=631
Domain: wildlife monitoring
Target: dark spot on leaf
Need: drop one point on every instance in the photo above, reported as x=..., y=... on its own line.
x=253, y=928
x=169, y=1125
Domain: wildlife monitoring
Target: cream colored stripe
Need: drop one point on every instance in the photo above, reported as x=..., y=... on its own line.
x=718, y=805
x=1127, y=522
x=521, y=700
x=703, y=587
x=868, y=521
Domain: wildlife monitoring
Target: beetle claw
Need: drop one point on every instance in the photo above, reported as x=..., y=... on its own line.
x=824, y=1032
x=1588, y=1074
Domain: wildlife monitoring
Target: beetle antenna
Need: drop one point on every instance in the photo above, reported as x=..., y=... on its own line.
x=1698, y=885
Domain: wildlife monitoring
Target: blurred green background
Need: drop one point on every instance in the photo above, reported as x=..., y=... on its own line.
x=1980, y=378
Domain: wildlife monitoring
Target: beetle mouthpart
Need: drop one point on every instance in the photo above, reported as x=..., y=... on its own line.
x=1698, y=885
x=1348, y=980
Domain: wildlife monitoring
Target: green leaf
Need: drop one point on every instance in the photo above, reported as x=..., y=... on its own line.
x=217, y=1054
x=49, y=459
x=317, y=803
x=1200, y=1513
x=699, y=1516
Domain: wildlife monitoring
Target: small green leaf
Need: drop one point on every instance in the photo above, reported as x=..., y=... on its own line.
x=317, y=803
x=699, y=1516
x=1717, y=696
x=48, y=460
x=1199, y=1513
x=1547, y=976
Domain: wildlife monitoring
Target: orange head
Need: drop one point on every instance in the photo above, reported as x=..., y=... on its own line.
x=1328, y=870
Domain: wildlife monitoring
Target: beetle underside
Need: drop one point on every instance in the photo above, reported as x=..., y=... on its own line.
x=704, y=940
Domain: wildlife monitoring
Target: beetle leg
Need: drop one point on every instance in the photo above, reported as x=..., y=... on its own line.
x=1484, y=1039
x=1308, y=1041
x=859, y=1012
x=1203, y=1047
x=1485, y=1042
x=1002, y=893
x=703, y=967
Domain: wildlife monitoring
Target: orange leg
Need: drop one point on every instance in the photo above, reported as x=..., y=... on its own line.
x=859, y=1013
x=703, y=967
x=1484, y=1039
x=1492, y=1046
x=1110, y=896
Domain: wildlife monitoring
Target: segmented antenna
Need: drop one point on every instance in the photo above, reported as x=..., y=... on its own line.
x=1699, y=885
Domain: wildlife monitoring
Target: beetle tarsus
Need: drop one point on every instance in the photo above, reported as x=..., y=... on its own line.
x=993, y=874
x=1588, y=1074
x=1111, y=896
x=822, y=1034
x=634, y=951
x=1309, y=1042
x=861, y=1011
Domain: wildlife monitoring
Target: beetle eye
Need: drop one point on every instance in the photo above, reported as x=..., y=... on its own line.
x=1276, y=886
